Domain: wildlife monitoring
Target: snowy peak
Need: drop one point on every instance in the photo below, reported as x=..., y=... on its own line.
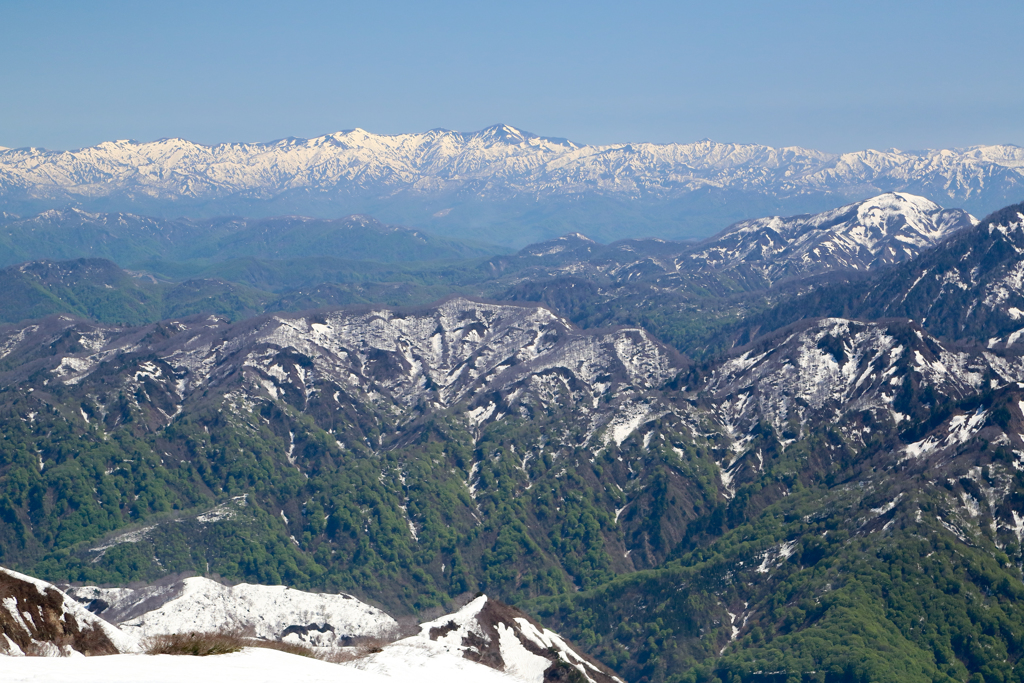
x=38, y=619
x=502, y=133
x=971, y=286
x=499, y=636
x=509, y=135
x=886, y=229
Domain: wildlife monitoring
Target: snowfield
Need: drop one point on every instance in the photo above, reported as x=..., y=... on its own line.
x=252, y=665
x=484, y=630
x=271, y=612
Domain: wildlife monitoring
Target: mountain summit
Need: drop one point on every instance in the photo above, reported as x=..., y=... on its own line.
x=886, y=229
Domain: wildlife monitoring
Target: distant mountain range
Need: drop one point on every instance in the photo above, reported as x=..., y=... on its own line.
x=500, y=184
x=130, y=239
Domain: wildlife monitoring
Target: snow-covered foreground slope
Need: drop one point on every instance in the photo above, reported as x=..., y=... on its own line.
x=38, y=619
x=252, y=665
x=268, y=612
x=484, y=641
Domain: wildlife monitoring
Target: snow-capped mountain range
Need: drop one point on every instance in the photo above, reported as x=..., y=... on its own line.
x=920, y=431
x=433, y=174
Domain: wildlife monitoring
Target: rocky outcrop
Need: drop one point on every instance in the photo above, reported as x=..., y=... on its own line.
x=38, y=619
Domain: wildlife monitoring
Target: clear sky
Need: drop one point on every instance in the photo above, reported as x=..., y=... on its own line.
x=834, y=75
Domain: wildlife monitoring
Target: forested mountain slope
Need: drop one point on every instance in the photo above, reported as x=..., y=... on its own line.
x=341, y=460
x=130, y=240
x=868, y=525
x=832, y=492
x=430, y=449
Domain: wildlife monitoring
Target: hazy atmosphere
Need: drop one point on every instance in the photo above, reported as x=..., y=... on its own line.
x=573, y=342
x=831, y=76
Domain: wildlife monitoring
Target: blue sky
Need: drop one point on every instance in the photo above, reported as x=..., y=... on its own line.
x=837, y=76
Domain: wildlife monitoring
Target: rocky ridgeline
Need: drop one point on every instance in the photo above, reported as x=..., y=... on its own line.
x=461, y=352
x=476, y=185
x=880, y=231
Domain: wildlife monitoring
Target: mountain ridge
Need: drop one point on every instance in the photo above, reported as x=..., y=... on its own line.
x=881, y=230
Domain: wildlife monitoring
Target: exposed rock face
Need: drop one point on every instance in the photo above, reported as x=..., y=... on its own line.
x=38, y=619
x=820, y=371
